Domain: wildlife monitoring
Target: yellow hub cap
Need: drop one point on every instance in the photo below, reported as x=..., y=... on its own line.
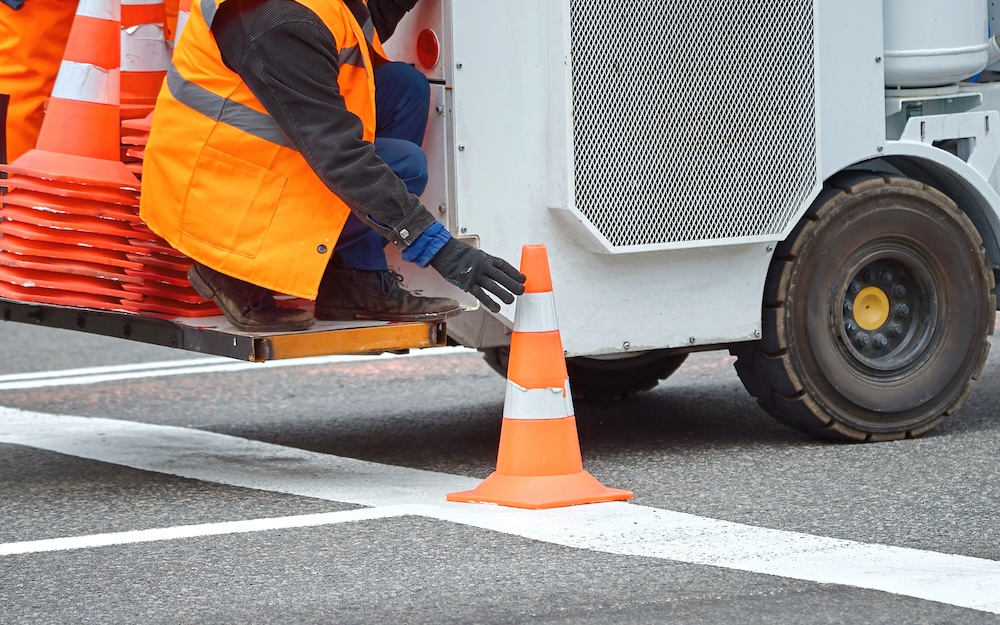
x=871, y=308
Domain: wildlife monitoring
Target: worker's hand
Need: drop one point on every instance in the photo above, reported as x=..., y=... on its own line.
x=473, y=270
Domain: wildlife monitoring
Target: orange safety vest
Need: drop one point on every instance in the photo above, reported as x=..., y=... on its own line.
x=220, y=181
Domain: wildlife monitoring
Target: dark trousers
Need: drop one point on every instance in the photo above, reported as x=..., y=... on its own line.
x=402, y=101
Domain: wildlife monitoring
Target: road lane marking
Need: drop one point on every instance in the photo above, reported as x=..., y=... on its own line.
x=114, y=373
x=618, y=528
x=196, y=531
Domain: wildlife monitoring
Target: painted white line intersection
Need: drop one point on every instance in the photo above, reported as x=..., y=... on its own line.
x=618, y=528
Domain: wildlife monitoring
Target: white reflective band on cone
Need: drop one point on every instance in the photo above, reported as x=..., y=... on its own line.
x=144, y=49
x=141, y=2
x=87, y=83
x=537, y=403
x=100, y=9
x=182, y=20
x=536, y=312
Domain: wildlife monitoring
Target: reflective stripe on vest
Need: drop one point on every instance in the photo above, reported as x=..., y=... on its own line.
x=208, y=9
x=352, y=56
x=238, y=115
x=369, y=29
x=226, y=111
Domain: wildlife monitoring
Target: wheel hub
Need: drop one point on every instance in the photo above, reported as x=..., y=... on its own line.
x=871, y=308
x=881, y=328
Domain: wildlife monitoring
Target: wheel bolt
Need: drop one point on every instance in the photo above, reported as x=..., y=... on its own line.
x=861, y=339
x=848, y=306
x=898, y=290
x=851, y=327
x=879, y=341
x=902, y=310
x=855, y=287
x=895, y=330
x=870, y=276
x=885, y=277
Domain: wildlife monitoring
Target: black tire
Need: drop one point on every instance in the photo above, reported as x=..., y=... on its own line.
x=876, y=313
x=605, y=379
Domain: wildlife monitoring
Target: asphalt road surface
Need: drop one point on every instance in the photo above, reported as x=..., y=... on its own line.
x=146, y=485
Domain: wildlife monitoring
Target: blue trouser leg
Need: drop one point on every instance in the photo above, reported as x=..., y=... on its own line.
x=360, y=247
x=402, y=100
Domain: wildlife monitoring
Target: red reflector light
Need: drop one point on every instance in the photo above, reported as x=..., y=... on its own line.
x=428, y=49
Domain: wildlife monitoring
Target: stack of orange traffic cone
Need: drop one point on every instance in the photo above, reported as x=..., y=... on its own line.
x=135, y=131
x=163, y=284
x=145, y=56
x=183, y=14
x=164, y=288
x=75, y=144
x=135, y=135
x=539, y=463
x=144, y=63
x=70, y=201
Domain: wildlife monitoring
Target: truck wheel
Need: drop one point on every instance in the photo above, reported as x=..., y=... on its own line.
x=876, y=313
x=605, y=378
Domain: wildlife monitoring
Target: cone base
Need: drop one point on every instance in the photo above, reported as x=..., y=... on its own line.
x=540, y=492
x=74, y=169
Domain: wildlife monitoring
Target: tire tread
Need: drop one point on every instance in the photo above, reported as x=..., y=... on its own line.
x=765, y=367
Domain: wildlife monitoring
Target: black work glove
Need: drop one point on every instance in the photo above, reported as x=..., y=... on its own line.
x=14, y=4
x=473, y=270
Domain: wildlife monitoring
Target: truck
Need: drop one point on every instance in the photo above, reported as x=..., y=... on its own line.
x=809, y=184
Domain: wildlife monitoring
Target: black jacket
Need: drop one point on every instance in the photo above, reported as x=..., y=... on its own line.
x=286, y=56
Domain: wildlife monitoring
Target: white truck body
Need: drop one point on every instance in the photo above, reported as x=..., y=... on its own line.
x=661, y=150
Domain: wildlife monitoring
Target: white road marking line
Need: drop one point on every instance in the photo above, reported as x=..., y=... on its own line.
x=113, y=373
x=618, y=528
x=196, y=531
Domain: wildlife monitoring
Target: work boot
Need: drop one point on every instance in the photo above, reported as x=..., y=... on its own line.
x=248, y=307
x=347, y=294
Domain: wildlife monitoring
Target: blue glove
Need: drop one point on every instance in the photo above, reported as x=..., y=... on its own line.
x=14, y=4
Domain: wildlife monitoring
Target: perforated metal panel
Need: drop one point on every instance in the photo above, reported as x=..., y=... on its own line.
x=692, y=121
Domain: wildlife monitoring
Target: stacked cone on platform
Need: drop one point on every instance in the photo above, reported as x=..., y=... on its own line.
x=135, y=131
x=135, y=135
x=145, y=56
x=145, y=60
x=183, y=14
x=71, y=230
x=61, y=192
x=163, y=284
x=539, y=464
x=78, y=142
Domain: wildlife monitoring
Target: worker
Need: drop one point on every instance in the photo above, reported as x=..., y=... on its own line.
x=285, y=151
x=33, y=35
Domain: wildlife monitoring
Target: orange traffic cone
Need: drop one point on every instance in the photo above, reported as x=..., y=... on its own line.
x=145, y=56
x=79, y=139
x=183, y=14
x=539, y=463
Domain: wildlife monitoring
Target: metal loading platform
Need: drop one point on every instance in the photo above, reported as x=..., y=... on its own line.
x=215, y=336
